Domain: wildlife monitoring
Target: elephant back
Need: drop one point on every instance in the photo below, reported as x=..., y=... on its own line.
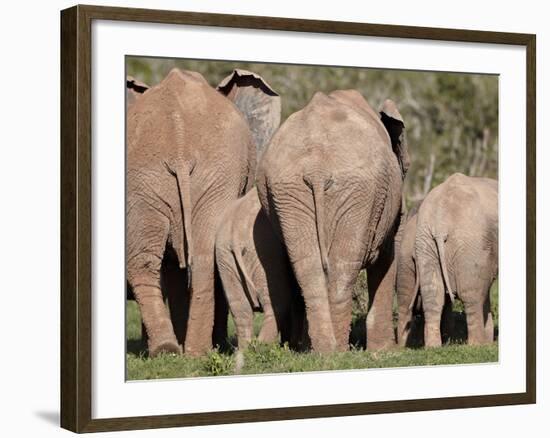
x=184, y=118
x=335, y=131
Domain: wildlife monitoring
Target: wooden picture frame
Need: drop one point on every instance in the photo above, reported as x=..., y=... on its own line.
x=76, y=217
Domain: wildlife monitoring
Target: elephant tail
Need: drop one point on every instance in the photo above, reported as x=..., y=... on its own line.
x=440, y=243
x=250, y=286
x=182, y=173
x=317, y=187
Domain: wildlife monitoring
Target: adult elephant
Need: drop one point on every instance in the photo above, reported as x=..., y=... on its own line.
x=331, y=183
x=456, y=250
x=190, y=153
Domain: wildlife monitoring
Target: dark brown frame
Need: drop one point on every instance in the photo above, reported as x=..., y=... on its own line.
x=76, y=173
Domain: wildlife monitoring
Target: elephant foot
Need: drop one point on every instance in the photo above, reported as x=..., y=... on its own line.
x=432, y=338
x=324, y=346
x=381, y=341
x=196, y=352
x=164, y=346
x=268, y=335
x=380, y=345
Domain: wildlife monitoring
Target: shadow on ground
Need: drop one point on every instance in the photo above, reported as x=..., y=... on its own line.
x=358, y=333
x=50, y=417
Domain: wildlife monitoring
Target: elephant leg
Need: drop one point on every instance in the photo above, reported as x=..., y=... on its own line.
x=239, y=306
x=313, y=283
x=201, y=309
x=432, y=290
x=381, y=284
x=478, y=317
x=433, y=300
x=475, y=322
x=405, y=328
x=174, y=284
x=269, y=330
x=146, y=241
x=341, y=284
x=477, y=307
x=244, y=326
x=488, y=318
x=405, y=305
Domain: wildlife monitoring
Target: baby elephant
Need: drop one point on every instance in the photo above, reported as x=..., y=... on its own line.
x=456, y=252
x=410, y=327
x=256, y=275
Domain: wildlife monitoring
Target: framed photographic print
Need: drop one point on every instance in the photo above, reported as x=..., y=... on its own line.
x=304, y=218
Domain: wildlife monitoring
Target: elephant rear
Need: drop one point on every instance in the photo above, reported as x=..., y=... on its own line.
x=456, y=249
x=330, y=182
x=190, y=153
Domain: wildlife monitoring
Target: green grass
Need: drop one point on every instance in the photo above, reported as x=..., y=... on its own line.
x=273, y=358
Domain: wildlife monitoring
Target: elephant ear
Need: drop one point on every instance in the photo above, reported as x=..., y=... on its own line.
x=259, y=103
x=134, y=89
x=392, y=120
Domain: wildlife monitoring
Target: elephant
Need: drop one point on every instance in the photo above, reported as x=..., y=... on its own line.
x=456, y=253
x=331, y=183
x=190, y=153
x=256, y=275
x=410, y=326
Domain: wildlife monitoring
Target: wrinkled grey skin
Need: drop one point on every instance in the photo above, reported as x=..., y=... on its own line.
x=456, y=252
x=190, y=154
x=258, y=102
x=410, y=326
x=330, y=183
x=256, y=274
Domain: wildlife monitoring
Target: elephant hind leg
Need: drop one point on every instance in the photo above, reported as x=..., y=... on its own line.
x=479, y=320
x=200, y=326
x=145, y=250
x=154, y=314
x=341, y=291
x=433, y=300
x=270, y=328
x=381, y=283
x=311, y=279
x=239, y=306
x=488, y=319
